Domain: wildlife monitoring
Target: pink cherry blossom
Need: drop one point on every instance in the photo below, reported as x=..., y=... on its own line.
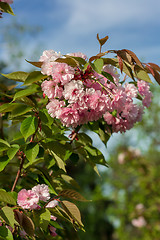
x=55, y=107
x=78, y=54
x=69, y=117
x=73, y=91
x=52, y=231
x=62, y=72
x=52, y=204
x=139, y=222
x=27, y=199
x=49, y=55
x=42, y=191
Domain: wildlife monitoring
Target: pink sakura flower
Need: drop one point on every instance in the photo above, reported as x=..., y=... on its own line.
x=62, y=72
x=73, y=91
x=48, y=87
x=69, y=117
x=42, y=191
x=49, y=55
x=78, y=54
x=139, y=222
x=112, y=71
x=27, y=199
x=55, y=107
x=119, y=99
x=143, y=88
x=52, y=204
x=131, y=90
x=52, y=231
x=48, y=58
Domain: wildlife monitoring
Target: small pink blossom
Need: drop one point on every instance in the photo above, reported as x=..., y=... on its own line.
x=52, y=231
x=52, y=204
x=62, y=72
x=27, y=199
x=49, y=55
x=139, y=222
x=73, y=91
x=131, y=90
x=69, y=117
x=78, y=54
x=42, y=191
x=55, y=107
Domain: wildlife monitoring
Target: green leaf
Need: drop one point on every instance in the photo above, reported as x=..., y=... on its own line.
x=42, y=218
x=6, y=8
x=32, y=151
x=72, y=194
x=12, y=151
x=8, y=107
x=69, y=60
x=98, y=65
x=34, y=77
x=25, y=92
x=6, y=197
x=20, y=109
x=141, y=74
x=29, y=126
x=73, y=211
x=108, y=76
x=84, y=139
x=4, y=145
x=4, y=160
x=69, y=180
x=5, y=233
x=8, y=215
x=59, y=161
x=17, y=76
x=96, y=156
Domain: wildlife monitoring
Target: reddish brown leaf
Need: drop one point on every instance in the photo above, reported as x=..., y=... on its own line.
x=36, y=64
x=18, y=216
x=99, y=55
x=102, y=41
x=134, y=57
x=155, y=66
x=120, y=61
x=157, y=76
x=150, y=69
x=125, y=56
x=28, y=225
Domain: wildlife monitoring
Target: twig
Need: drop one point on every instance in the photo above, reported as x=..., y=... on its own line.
x=19, y=172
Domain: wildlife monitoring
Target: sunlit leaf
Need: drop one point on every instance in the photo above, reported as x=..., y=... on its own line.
x=29, y=126
x=7, y=198
x=34, y=77
x=72, y=194
x=17, y=76
x=32, y=150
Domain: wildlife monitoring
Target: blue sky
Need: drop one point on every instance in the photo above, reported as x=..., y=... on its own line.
x=72, y=25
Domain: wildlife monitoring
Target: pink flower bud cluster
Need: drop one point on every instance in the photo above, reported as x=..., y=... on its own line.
x=29, y=199
x=77, y=97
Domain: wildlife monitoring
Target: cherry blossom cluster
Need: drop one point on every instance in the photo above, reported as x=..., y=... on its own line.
x=29, y=199
x=78, y=96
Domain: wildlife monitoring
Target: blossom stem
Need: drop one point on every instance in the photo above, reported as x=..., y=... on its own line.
x=18, y=173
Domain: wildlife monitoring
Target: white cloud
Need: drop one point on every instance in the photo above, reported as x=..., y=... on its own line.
x=85, y=16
